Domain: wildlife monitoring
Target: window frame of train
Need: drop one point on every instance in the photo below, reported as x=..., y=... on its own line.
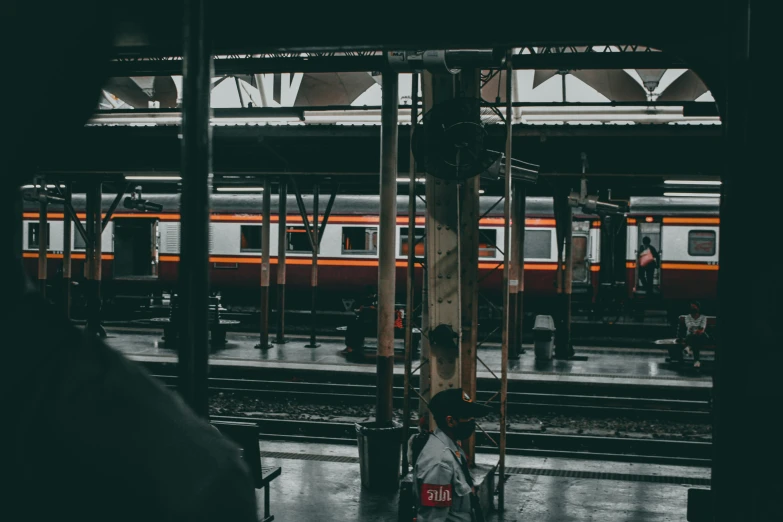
x=713, y=238
x=299, y=229
x=242, y=235
x=30, y=235
x=78, y=241
x=490, y=248
x=369, y=234
x=529, y=235
x=403, y=248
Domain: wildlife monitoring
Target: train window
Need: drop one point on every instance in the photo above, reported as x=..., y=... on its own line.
x=701, y=243
x=32, y=235
x=78, y=241
x=418, y=249
x=250, y=238
x=538, y=244
x=487, y=242
x=360, y=240
x=298, y=240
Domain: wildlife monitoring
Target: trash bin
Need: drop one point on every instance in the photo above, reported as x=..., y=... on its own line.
x=543, y=336
x=379, y=455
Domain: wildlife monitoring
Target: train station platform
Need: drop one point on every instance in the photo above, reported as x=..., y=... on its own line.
x=324, y=479
x=602, y=365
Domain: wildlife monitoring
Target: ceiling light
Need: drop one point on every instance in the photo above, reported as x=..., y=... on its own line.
x=710, y=182
x=153, y=178
x=407, y=180
x=692, y=194
x=240, y=189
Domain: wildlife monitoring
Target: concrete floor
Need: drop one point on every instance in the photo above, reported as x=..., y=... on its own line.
x=617, y=364
x=329, y=490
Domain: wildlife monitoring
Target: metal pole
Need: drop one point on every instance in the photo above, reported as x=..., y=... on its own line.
x=568, y=280
x=94, y=259
x=43, y=238
x=314, y=269
x=196, y=170
x=506, y=252
x=519, y=201
x=282, y=245
x=68, y=239
x=469, y=239
x=410, y=286
x=266, y=229
x=386, y=263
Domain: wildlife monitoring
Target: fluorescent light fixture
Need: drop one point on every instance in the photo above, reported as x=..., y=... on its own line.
x=39, y=186
x=692, y=194
x=407, y=180
x=240, y=189
x=153, y=178
x=481, y=191
x=692, y=182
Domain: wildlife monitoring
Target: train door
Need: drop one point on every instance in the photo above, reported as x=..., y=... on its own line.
x=653, y=231
x=136, y=248
x=580, y=253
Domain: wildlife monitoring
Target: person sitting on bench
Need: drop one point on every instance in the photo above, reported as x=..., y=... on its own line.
x=695, y=336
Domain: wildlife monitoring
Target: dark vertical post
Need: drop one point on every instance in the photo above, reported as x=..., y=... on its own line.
x=565, y=267
x=196, y=170
x=386, y=237
x=747, y=388
x=93, y=259
x=469, y=239
x=506, y=294
x=266, y=230
x=282, y=246
x=518, y=201
x=314, y=269
x=410, y=286
x=43, y=238
x=68, y=240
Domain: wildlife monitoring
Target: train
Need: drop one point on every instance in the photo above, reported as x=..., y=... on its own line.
x=141, y=250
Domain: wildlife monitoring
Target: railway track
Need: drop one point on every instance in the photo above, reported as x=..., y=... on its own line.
x=663, y=452
x=601, y=405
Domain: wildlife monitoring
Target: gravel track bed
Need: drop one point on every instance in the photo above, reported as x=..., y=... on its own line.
x=235, y=404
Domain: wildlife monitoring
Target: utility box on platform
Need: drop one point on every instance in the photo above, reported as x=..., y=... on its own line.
x=543, y=336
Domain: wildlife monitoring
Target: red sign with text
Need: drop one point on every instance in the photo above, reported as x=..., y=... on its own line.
x=436, y=495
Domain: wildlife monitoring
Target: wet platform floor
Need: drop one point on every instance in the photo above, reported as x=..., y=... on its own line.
x=322, y=482
x=618, y=365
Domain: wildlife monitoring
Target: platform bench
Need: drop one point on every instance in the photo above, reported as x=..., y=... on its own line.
x=245, y=435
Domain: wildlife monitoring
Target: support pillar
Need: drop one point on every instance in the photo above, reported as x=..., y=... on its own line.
x=747, y=454
x=266, y=230
x=443, y=327
x=506, y=292
x=384, y=410
x=282, y=247
x=68, y=241
x=314, y=270
x=565, y=270
x=469, y=238
x=410, y=282
x=517, y=281
x=43, y=238
x=94, y=256
x=196, y=173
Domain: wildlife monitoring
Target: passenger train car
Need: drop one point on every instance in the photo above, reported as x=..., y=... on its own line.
x=685, y=231
x=141, y=249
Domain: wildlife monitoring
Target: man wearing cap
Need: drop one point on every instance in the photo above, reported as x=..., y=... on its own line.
x=443, y=484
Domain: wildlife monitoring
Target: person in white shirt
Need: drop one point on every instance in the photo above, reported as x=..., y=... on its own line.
x=695, y=338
